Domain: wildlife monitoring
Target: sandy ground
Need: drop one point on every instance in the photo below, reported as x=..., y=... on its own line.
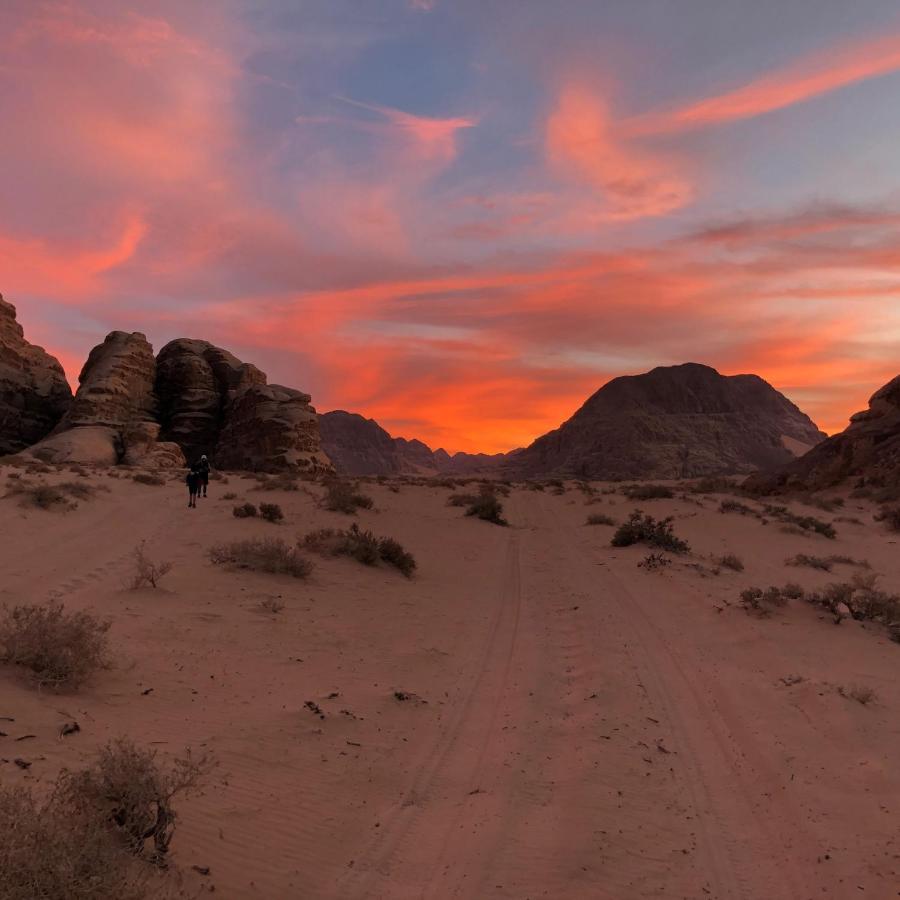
x=586, y=728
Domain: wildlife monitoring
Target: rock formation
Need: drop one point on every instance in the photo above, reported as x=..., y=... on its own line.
x=34, y=393
x=360, y=446
x=673, y=422
x=869, y=449
x=270, y=428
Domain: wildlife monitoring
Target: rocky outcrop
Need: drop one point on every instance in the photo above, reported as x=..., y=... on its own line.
x=115, y=396
x=34, y=393
x=142, y=447
x=360, y=446
x=673, y=422
x=195, y=381
x=270, y=428
x=868, y=449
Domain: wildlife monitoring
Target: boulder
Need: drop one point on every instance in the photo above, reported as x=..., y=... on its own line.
x=92, y=445
x=868, y=450
x=142, y=447
x=270, y=428
x=34, y=393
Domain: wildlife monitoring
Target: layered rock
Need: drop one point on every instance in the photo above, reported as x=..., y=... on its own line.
x=34, y=393
x=270, y=428
x=194, y=383
x=869, y=449
x=360, y=446
x=673, y=422
x=142, y=447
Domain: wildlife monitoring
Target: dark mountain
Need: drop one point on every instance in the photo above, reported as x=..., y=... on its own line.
x=672, y=422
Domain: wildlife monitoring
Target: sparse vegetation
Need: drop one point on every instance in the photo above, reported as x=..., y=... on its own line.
x=644, y=529
x=342, y=496
x=863, y=599
x=271, y=605
x=245, y=511
x=231, y=495
x=825, y=563
x=730, y=561
x=805, y=523
x=890, y=515
x=735, y=506
x=762, y=602
x=148, y=478
x=654, y=561
x=363, y=546
x=271, y=555
x=146, y=572
x=860, y=693
x=60, y=649
x=271, y=512
x=647, y=492
x=487, y=508
x=462, y=499
x=600, y=519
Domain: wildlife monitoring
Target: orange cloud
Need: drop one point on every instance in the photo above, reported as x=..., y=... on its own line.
x=582, y=141
x=811, y=77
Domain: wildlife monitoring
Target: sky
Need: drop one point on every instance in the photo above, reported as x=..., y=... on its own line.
x=462, y=217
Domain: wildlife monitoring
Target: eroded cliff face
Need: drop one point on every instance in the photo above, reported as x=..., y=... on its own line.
x=868, y=449
x=34, y=393
x=673, y=422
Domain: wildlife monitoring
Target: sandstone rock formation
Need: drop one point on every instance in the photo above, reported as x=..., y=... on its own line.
x=194, y=383
x=360, y=446
x=142, y=447
x=34, y=393
x=115, y=394
x=673, y=422
x=869, y=448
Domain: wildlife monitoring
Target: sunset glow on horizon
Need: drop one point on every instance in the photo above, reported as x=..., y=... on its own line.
x=462, y=218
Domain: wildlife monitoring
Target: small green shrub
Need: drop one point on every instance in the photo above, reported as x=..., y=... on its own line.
x=644, y=529
x=363, y=546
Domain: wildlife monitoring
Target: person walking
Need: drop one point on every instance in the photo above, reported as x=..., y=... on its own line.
x=193, y=483
x=203, y=470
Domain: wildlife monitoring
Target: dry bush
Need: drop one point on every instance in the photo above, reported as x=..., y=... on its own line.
x=363, y=546
x=654, y=561
x=245, y=511
x=861, y=694
x=271, y=605
x=60, y=496
x=146, y=572
x=730, y=561
x=644, y=529
x=762, y=602
x=272, y=556
x=148, y=478
x=805, y=523
x=342, y=496
x=535, y=486
x=487, y=508
x=890, y=515
x=850, y=520
x=600, y=519
x=60, y=649
x=864, y=600
x=231, y=495
x=647, y=492
x=735, y=506
x=462, y=499
x=812, y=562
x=271, y=512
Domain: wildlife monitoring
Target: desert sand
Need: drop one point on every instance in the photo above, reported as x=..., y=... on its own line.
x=576, y=726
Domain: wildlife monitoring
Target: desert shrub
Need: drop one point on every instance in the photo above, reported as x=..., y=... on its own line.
x=60, y=649
x=762, y=602
x=43, y=496
x=730, y=561
x=850, y=520
x=363, y=546
x=647, y=492
x=462, y=499
x=890, y=515
x=654, y=561
x=805, y=523
x=272, y=556
x=148, y=478
x=841, y=560
x=271, y=605
x=861, y=694
x=812, y=562
x=146, y=572
x=271, y=512
x=600, y=519
x=487, y=508
x=342, y=496
x=231, y=495
x=863, y=598
x=245, y=511
x=644, y=529
x=886, y=494
x=535, y=486
x=735, y=506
